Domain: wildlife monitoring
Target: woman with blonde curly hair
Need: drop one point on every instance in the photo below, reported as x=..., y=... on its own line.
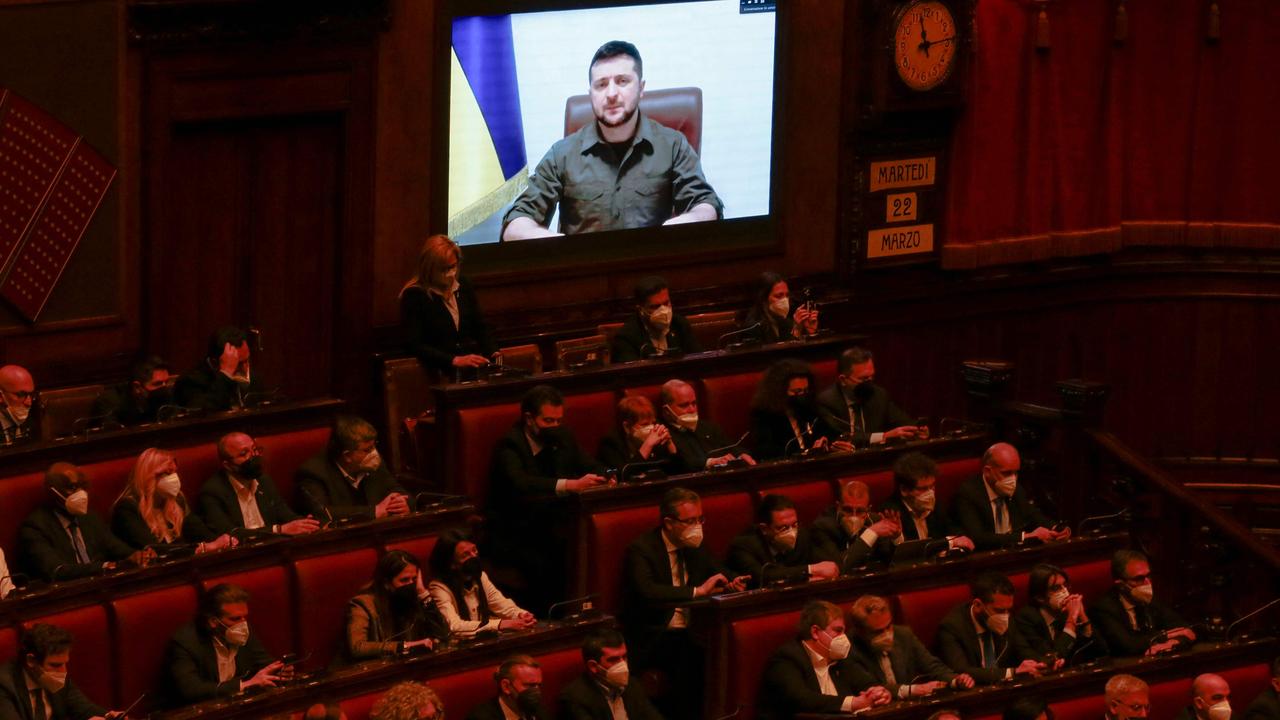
x=152, y=510
x=439, y=313
x=408, y=701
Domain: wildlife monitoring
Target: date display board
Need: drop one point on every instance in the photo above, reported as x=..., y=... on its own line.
x=51, y=184
x=901, y=207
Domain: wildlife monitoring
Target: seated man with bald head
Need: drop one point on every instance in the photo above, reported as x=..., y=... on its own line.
x=1210, y=699
x=17, y=391
x=242, y=495
x=995, y=511
x=1127, y=697
x=850, y=534
x=700, y=443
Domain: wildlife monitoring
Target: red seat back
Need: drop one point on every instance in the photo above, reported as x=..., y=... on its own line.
x=144, y=623
x=879, y=483
x=559, y=668
x=590, y=416
x=751, y=642
x=923, y=610
x=608, y=535
x=479, y=429
x=811, y=498
x=1090, y=579
x=1170, y=696
x=19, y=495
x=324, y=584
x=195, y=464
x=824, y=373
x=727, y=515
x=271, y=604
x=358, y=708
x=91, y=661
x=1089, y=707
x=8, y=644
x=953, y=472
x=419, y=547
x=107, y=479
x=728, y=401
x=286, y=452
x=1247, y=681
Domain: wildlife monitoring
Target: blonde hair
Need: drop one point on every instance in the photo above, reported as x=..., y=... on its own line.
x=165, y=522
x=403, y=701
x=436, y=251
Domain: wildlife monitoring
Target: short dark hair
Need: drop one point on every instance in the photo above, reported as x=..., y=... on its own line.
x=224, y=335
x=593, y=647
x=42, y=640
x=508, y=666
x=1027, y=708
x=989, y=584
x=853, y=356
x=347, y=432
x=1121, y=560
x=770, y=504
x=815, y=612
x=1038, y=581
x=540, y=395
x=614, y=48
x=910, y=468
x=674, y=498
x=391, y=565
x=212, y=601
x=145, y=368
x=646, y=287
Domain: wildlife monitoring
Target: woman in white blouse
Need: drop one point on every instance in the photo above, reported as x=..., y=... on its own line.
x=463, y=593
x=6, y=582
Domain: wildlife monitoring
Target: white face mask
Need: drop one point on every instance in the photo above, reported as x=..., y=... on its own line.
x=924, y=503
x=853, y=523
x=787, y=538
x=641, y=432
x=19, y=413
x=169, y=485
x=1058, y=599
x=691, y=536
x=372, y=461
x=618, y=675
x=688, y=421
x=1143, y=593
x=780, y=307
x=839, y=647
x=1220, y=711
x=238, y=634
x=661, y=317
x=1006, y=486
x=77, y=503
x=52, y=682
x=998, y=623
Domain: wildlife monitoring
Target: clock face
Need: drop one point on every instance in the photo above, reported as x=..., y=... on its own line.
x=924, y=44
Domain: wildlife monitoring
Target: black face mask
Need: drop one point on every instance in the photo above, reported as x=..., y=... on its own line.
x=404, y=596
x=157, y=399
x=471, y=568
x=801, y=405
x=529, y=701
x=552, y=436
x=862, y=391
x=251, y=468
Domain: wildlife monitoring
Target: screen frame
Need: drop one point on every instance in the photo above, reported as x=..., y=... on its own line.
x=588, y=254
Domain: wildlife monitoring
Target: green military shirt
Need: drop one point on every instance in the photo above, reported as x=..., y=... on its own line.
x=656, y=177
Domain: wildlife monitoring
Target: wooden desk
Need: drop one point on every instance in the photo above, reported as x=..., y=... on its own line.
x=376, y=675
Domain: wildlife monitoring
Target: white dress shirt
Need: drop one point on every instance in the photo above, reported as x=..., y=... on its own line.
x=500, y=607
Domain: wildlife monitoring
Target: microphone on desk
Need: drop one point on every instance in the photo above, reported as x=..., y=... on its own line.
x=167, y=413
x=1232, y=626
x=90, y=423
x=584, y=605
x=1087, y=642
x=762, y=569
x=1102, y=520
x=262, y=398
x=743, y=332
x=938, y=546
x=440, y=499
x=256, y=333
x=311, y=496
x=736, y=712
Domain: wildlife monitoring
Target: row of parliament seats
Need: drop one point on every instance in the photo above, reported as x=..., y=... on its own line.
x=296, y=606
x=609, y=532
x=284, y=453
x=725, y=399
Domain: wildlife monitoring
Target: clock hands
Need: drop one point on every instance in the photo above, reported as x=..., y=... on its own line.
x=926, y=43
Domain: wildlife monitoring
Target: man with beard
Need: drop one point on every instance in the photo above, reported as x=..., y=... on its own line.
x=519, y=680
x=860, y=410
x=136, y=402
x=622, y=171
x=17, y=391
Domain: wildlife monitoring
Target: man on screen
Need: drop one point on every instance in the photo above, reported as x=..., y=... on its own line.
x=622, y=171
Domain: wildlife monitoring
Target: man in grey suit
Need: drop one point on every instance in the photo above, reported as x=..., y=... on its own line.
x=894, y=656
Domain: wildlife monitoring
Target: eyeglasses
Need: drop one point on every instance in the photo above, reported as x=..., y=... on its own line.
x=1139, y=579
x=22, y=394
x=854, y=511
x=699, y=520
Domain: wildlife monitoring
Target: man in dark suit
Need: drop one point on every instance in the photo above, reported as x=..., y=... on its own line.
x=974, y=637
x=850, y=534
x=519, y=680
x=915, y=475
x=893, y=656
x=241, y=496
x=661, y=568
x=1054, y=626
x=36, y=686
x=224, y=379
x=808, y=674
x=700, y=443
x=994, y=511
x=777, y=549
x=1210, y=699
x=534, y=465
x=217, y=655
x=62, y=540
x=17, y=395
x=858, y=409
x=605, y=689
x=349, y=479
x=1267, y=705
x=138, y=400
x=653, y=329
x=1129, y=618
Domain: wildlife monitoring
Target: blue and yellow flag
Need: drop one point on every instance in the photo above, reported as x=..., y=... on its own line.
x=487, y=162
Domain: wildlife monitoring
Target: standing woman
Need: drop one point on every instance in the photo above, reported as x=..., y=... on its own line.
x=153, y=511
x=439, y=313
x=771, y=309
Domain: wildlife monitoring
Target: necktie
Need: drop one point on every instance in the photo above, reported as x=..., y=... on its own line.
x=682, y=572
x=37, y=702
x=1002, y=515
x=855, y=419
x=886, y=666
x=988, y=650
x=82, y=553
